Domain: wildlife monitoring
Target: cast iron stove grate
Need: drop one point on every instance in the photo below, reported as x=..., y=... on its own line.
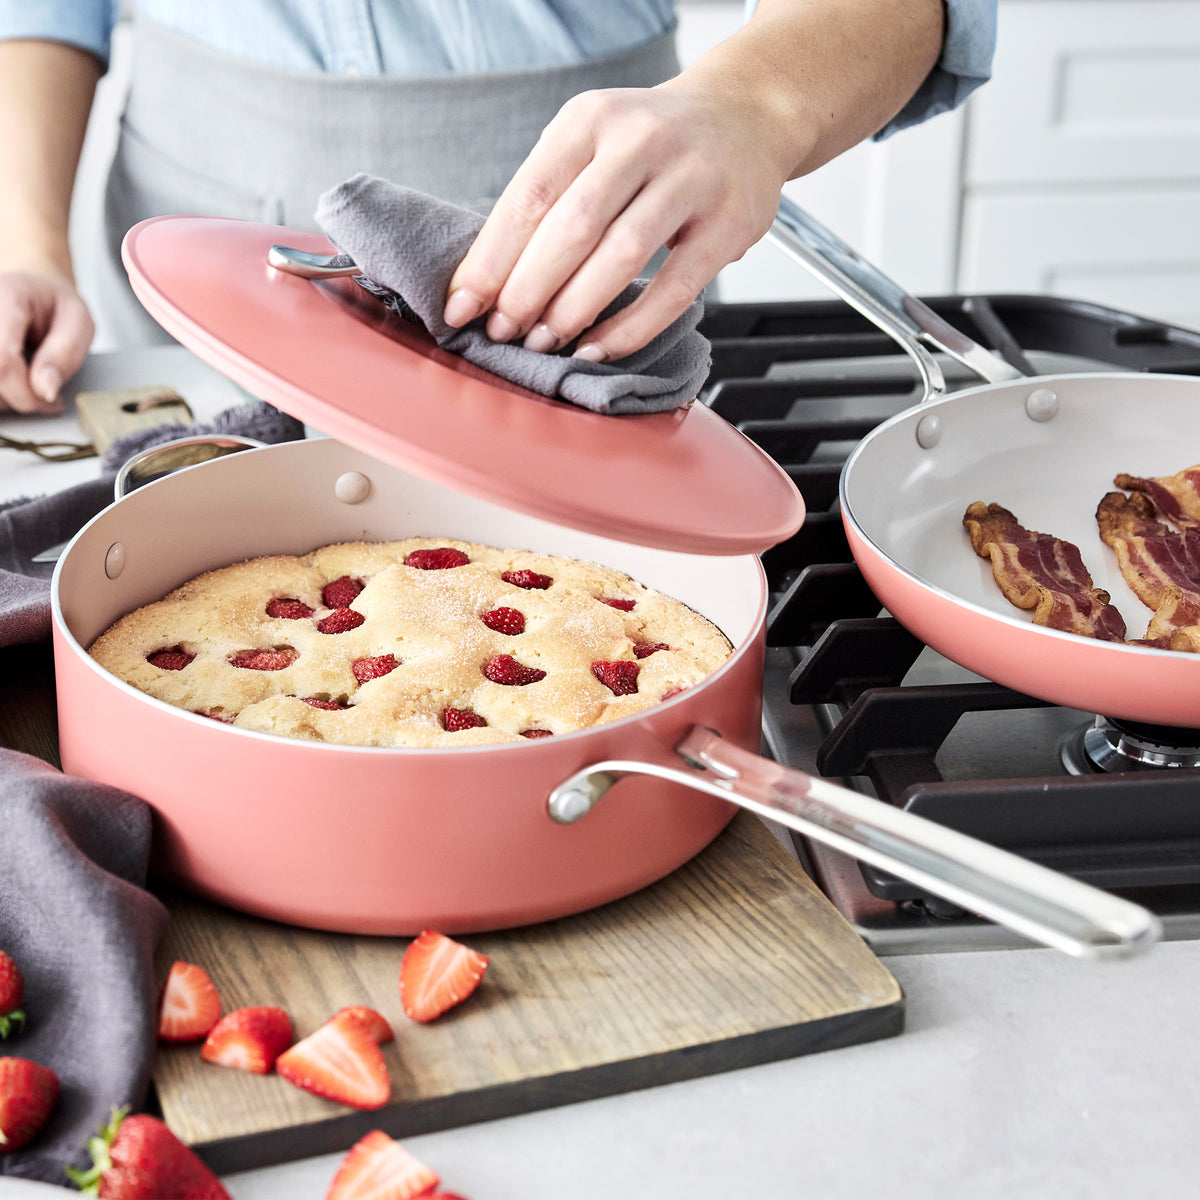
x=850, y=694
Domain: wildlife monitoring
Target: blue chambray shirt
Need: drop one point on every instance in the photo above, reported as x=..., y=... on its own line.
x=437, y=37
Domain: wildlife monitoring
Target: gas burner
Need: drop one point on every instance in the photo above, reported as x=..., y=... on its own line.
x=1108, y=745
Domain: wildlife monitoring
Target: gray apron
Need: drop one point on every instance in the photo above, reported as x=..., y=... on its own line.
x=207, y=133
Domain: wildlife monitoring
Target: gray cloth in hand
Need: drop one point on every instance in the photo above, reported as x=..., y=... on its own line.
x=408, y=245
x=76, y=920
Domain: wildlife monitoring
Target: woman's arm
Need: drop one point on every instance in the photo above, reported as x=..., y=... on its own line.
x=695, y=164
x=46, y=91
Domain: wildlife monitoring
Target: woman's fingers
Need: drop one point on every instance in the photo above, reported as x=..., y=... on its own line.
x=63, y=348
x=15, y=317
x=45, y=332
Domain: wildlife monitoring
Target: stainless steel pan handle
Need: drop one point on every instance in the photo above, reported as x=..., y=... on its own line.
x=1041, y=904
x=909, y=321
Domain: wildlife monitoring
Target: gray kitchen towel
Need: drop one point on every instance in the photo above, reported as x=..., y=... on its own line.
x=76, y=919
x=408, y=245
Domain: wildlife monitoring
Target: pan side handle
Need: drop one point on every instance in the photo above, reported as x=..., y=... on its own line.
x=1033, y=900
x=908, y=321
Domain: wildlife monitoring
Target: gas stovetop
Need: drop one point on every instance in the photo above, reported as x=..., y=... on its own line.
x=851, y=695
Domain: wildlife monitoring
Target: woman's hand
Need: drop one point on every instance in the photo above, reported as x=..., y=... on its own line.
x=615, y=176
x=45, y=331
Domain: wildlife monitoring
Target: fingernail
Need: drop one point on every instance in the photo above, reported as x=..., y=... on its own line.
x=461, y=307
x=591, y=352
x=501, y=328
x=46, y=383
x=542, y=339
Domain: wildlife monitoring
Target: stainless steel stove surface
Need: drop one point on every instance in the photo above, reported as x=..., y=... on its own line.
x=851, y=695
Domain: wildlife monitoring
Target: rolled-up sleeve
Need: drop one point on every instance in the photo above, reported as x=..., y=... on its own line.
x=84, y=23
x=965, y=63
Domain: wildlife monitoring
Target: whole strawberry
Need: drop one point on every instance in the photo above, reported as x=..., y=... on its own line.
x=28, y=1091
x=139, y=1158
x=12, y=993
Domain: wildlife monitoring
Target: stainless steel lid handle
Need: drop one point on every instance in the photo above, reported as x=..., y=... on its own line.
x=1041, y=904
x=909, y=321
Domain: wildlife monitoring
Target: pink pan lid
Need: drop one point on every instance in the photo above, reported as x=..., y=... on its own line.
x=331, y=355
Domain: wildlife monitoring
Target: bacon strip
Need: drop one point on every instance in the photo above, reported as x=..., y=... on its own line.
x=1041, y=572
x=1161, y=566
x=1177, y=497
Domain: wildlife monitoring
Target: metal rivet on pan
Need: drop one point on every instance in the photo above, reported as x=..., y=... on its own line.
x=114, y=560
x=1041, y=405
x=929, y=431
x=352, y=488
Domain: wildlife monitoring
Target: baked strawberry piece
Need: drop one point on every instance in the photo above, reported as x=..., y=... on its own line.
x=505, y=620
x=266, y=659
x=376, y=1023
x=378, y=1168
x=341, y=592
x=537, y=733
x=366, y=669
x=288, y=608
x=173, y=658
x=12, y=996
x=438, y=558
x=188, y=1005
x=340, y=1061
x=341, y=620
x=28, y=1093
x=618, y=602
x=436, y=973
x=527, y=579
x=454, y=719
x=139, y=1158
x=620, y=677
x=248, y=1039
x=325, y=703
x=645, y=649
x=503, y=668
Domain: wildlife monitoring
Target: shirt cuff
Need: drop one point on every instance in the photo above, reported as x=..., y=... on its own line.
x=87, y=24
x=965, y=64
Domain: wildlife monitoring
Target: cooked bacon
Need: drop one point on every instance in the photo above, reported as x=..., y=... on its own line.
x=1177, y=497
x=1041, y=572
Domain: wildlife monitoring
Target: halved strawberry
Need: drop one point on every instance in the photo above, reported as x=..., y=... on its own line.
x=505, y=620
x=213, y=715
x=325, y=702
x=12, y=994
x=341, y=620
x=622, y=603
x=28, y=1091
x=188, y=1005
x=265, y=659
x=376, y=1023
x=248, y=1039
x=340, y=592
x=139, y=1158
x=437, y=973
x=438, y=558
x=454, y=719
x=537, y=733
x=503, y=668
x=645, y=649
x=378, y=1168
x=340, y=1061
x=288, y=608
x=366, y=669
x=619, y=677
x=172, y=658
x=527, y=579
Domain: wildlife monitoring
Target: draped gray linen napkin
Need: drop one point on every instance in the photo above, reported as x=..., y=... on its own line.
x=408, y=245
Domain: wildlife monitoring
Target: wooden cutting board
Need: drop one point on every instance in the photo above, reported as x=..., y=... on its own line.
x=733, y=960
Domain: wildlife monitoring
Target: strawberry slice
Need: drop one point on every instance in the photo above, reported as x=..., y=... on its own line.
x=28, y=1091
x=437, y=973
x=139, y=1158
x=378, y=1168
x=188, y=1005
x=325, y=703
x=645, y=649
x=248, y=1039
x=341, y=620
x=376, y=1023
x=454, y=719
x=527, y=579
x=340, y=1061
x=340, y=592
x=288, y=608
x=619, y=677
x=12, y=993
x=366, y=669
x=623, y=604
x=264, y=660
x=503, y=668
x=438, y=558
x=172, y=658
x=537, y=733
x=505, y=620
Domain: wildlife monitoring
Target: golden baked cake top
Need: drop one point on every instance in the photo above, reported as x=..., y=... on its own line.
x=423, y=642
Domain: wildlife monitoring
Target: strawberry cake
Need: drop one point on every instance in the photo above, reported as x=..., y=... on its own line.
x=424, y=642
